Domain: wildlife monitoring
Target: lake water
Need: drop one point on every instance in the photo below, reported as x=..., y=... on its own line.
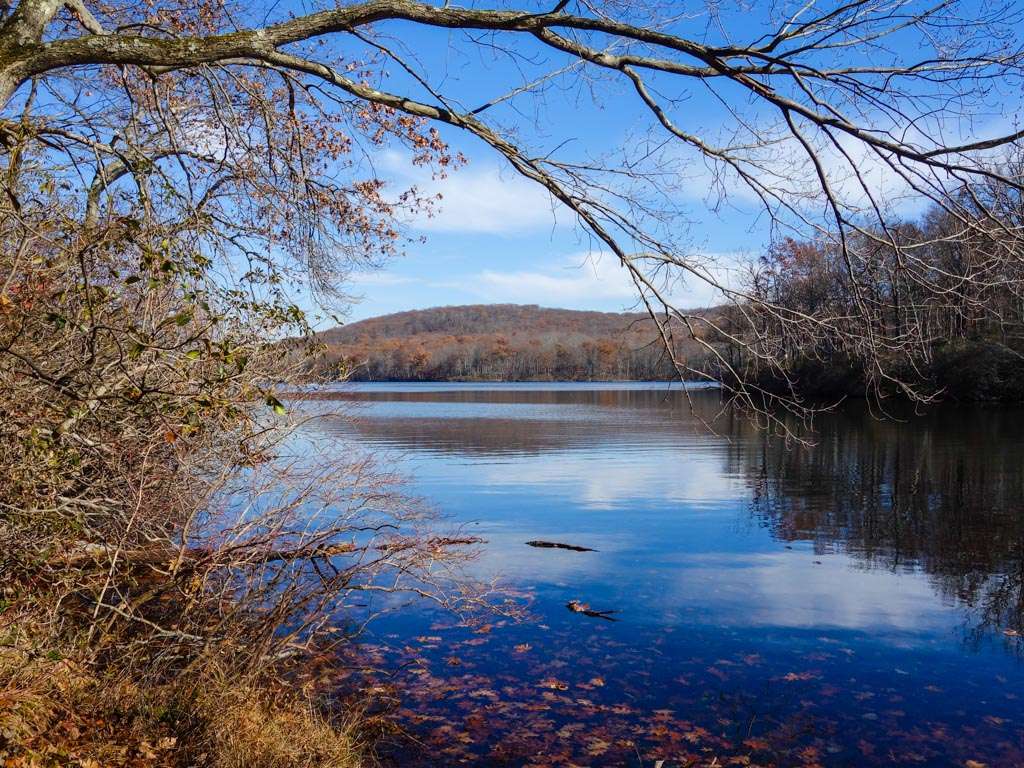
x=855, y=602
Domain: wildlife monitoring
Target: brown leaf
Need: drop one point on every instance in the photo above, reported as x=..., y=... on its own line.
x=554, y=684
x=793, y=676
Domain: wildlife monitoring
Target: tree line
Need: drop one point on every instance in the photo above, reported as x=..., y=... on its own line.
x=955, y=291
x=504, y=343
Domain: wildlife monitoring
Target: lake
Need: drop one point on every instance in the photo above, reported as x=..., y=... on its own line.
x=853, y=602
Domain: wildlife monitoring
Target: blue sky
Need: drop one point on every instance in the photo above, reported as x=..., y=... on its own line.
x=499, y=238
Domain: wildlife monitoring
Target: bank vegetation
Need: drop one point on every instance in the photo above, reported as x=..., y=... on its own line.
x=960, y=300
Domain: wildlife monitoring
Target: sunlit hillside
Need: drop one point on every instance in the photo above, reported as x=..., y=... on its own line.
x=503, y=341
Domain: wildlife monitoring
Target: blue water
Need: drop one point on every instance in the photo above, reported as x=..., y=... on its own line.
x=857, y=601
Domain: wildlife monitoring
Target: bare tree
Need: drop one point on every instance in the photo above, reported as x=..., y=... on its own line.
x=836, y=110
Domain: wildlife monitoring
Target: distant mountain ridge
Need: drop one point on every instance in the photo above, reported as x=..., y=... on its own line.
x=483, y=319
x=509, y=342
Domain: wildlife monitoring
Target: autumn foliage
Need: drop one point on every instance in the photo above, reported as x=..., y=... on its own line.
x=505, y=342
x=967, y=320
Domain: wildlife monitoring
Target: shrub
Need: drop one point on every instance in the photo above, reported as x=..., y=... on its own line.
x=982, y=371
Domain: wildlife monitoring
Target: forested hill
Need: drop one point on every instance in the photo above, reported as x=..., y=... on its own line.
x=508, y=342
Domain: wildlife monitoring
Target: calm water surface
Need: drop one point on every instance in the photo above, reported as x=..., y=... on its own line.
x=858, y=602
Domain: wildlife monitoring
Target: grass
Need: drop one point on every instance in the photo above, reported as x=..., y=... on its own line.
x=55, y=712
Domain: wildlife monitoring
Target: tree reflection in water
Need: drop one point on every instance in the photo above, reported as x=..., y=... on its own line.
x=943, y=493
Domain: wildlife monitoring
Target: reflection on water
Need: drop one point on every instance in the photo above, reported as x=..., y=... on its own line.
x=854, y=602
x=940, y=496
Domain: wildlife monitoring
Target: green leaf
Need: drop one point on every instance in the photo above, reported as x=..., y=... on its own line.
x=193, y=354
x=184, y=318
x=276, y=405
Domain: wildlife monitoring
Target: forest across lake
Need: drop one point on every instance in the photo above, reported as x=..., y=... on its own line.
x=968, y=362
x=502, y=342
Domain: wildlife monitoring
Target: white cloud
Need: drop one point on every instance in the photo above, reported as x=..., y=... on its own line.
x=859, y=177
x=805, y=589
x=624, y=481
x=479, y=198
x=575, y=279
x=583, y=280
x=382, y=279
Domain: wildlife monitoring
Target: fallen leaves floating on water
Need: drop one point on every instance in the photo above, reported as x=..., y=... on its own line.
x=794, y=676
x=596, y=698
x=696, y=735
x=717, y=673
x=557, y=685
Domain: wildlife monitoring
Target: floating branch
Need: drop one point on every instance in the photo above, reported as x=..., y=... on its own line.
x=577, y=607
x=559, y=545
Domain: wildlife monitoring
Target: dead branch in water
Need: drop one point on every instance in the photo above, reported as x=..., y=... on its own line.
x=559, y=545
x=577, y=607
x=86, y=553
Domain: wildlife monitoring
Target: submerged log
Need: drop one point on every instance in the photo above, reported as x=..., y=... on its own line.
x=577, y=607
x=86, y=553
x=559, y=545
